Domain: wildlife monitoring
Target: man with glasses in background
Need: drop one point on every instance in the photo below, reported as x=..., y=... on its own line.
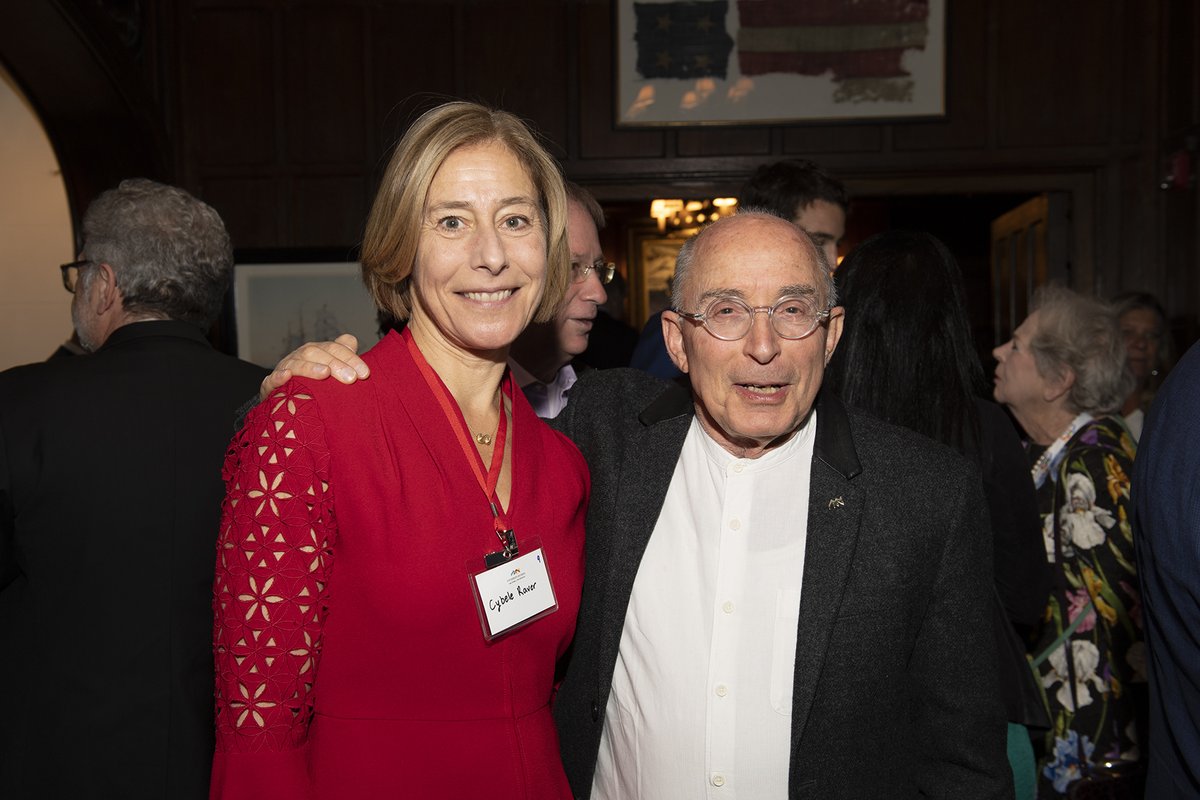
x=784, y=598
x=541, y=356
x=110, y=496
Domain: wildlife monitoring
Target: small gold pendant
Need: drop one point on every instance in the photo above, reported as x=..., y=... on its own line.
x=483, y=438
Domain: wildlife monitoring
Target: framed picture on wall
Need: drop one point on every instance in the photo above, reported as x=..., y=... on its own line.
x=280, y=306
x=653, y=268
x=711, y=62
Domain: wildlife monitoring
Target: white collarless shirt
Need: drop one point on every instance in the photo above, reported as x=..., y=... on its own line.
x=701, y=701
x=548, y=399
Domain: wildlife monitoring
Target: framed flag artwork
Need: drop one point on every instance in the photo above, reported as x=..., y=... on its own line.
x=713, y=62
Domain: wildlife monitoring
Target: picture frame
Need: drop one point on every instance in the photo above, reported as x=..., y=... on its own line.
x=654, y=256
x=746, y=62
x=279, y=306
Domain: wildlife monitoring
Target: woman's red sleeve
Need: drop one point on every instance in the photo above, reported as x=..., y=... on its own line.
x=270, y=597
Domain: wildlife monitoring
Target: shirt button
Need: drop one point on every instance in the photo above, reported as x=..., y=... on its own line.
x=735, y=524
x=718, y=780
x=722, y=690
x=738, y=467
x=727, y=607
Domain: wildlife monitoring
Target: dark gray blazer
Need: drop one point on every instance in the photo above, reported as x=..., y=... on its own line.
x=895, y=690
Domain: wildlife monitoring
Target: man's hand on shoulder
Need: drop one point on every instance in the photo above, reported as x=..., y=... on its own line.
x=317, y=361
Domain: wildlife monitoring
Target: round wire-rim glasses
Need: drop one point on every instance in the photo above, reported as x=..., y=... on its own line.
x=730, y=318
x=604, y=271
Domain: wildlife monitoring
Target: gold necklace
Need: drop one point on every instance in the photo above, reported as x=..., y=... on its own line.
x=485, y=439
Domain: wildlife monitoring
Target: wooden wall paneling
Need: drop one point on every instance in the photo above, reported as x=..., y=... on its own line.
x=517, y=60
x=325, y=85
x=100, y=120
x=1140, y=265
x=411, y=68
x=1057, y=77
x=229, y=86
x=598, y=135
x=967, y=86
x=723, y=141
x=250, y=208
x=327, y=211
x=809, y=141
x=1181, y=66
x=1179, y=119
x=1138, y=71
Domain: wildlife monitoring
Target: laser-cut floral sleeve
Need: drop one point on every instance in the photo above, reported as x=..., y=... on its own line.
x=270, y=596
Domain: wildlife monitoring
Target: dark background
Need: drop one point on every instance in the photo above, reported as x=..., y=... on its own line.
x=280, y=113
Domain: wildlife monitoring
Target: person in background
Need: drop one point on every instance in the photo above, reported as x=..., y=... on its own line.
x=110, y=490
x=541, y=356
x=1144, y=329
x=1064, y=375
x=798, y=190
x=805, y=193
x=400, y=561
x=907, y=356
x=1166, y=500
x=613, y=339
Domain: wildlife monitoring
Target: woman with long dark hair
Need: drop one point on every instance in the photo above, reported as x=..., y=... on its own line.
x=907, y=356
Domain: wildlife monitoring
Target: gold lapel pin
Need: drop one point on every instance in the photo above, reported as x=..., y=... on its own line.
x=837, y=502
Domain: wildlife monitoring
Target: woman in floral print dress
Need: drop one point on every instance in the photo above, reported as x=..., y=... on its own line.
x=1063, y=375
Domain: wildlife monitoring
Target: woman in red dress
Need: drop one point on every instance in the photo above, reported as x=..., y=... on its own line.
x=383, y=625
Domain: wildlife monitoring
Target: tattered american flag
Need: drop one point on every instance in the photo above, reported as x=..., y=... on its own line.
x=865, y=38
x=861, y=43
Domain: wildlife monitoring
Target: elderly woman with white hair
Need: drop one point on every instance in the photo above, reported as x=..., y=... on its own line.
x=1064, y=376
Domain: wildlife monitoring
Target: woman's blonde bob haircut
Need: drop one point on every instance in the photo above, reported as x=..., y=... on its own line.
x=393, y=231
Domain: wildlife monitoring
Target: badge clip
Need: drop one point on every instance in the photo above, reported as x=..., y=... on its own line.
x=509, y=540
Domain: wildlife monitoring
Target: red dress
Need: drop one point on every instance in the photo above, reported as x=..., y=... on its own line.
x=350, y=657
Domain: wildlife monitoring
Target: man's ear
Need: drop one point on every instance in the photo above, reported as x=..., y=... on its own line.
x=673, y=336
x=833, y=331
x=102, y=292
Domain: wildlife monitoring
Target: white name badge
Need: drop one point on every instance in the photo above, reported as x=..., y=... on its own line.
x=514, y=593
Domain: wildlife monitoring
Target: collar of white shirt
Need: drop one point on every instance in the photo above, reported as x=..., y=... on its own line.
x=548, y=399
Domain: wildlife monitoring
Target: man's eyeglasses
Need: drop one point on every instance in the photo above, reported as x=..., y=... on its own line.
x=730, y=318
x=70, y=273
x=604, y=271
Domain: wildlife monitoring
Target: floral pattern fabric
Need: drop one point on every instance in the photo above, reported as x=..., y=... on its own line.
x=274, y=557
x=1086, y=676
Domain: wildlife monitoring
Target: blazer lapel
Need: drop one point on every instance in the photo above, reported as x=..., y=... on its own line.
x=648, y=464
x=835, y=509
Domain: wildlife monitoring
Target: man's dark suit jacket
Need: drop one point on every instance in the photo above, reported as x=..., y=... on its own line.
x=110, y=494
x=895, y=689
x=1166, y=499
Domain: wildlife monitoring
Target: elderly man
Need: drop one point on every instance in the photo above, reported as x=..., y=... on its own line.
x=797, y=190
x=110, y=494
x=785, y=598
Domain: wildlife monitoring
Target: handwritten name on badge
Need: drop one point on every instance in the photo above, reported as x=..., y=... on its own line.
x=516, y=591
x=497, y=603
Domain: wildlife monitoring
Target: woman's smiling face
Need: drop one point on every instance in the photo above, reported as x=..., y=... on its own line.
x=481, y=260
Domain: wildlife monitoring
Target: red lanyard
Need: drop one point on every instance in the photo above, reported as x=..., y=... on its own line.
x=459, y=424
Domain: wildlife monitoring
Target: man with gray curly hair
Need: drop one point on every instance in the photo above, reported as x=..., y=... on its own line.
x=110, y=493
